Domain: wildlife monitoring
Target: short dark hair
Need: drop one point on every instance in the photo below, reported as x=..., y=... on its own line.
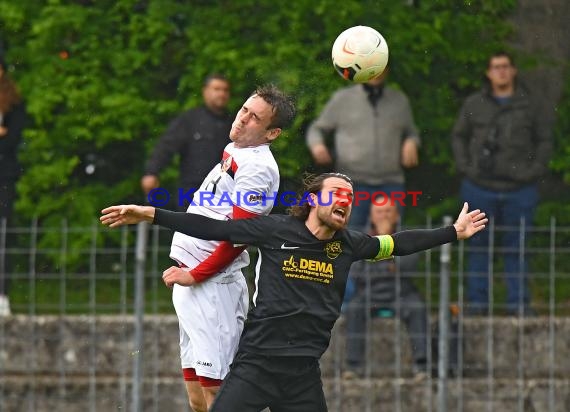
x=283, y=107
x=500, y=53
x=312, y=184
x=214, y=76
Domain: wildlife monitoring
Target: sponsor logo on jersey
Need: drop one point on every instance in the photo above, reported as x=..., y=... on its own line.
x=308, y=269
x=227, y=164
x=202, y=363
x=254, y=198
x=290, y=262
x=333, y=249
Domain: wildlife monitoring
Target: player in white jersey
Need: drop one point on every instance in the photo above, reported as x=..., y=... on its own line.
x=210, y=293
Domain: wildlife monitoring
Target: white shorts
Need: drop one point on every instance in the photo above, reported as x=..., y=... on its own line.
x=211, y=317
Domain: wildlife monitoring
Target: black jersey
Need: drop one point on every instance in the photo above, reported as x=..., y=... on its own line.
x=299, y=284
x=300, y=280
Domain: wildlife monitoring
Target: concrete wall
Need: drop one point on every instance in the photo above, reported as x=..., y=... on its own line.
x=72, y=363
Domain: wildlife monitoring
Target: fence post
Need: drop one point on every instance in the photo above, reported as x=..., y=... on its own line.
x=140, y=258
x=443, y=327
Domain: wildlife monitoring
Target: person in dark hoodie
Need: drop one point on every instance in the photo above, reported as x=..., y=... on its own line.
x=12, y=123
x=502, y=145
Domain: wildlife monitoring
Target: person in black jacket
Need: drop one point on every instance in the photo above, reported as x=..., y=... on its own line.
x=12, y=123
x=502, y=144
x=303, y=265
x=198, y=135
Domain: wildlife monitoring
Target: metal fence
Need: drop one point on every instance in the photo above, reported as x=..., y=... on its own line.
x=92, y=328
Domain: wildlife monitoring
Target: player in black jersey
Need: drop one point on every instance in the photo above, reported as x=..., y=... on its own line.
x=304, y=259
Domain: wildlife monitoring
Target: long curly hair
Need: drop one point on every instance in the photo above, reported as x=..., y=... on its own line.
x=311, y=184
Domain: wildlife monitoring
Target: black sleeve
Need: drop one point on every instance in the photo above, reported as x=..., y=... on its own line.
x=243, y=231
x=193, y=225
x=412, y=241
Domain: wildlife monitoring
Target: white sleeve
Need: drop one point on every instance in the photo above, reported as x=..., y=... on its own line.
x=255, y=185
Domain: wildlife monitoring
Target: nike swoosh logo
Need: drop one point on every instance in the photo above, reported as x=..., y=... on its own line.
x=289, y=247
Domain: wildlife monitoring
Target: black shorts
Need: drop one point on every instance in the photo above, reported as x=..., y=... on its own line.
x=282, y=383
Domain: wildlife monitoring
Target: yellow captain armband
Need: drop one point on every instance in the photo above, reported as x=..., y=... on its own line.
x=385, y=248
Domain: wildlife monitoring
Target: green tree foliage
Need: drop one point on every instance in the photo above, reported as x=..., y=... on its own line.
x=105, y=76
x=561, y=160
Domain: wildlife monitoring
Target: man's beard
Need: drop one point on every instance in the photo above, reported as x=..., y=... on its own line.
x=327, y=218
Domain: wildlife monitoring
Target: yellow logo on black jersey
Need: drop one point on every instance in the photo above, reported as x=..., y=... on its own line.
x=308, y=269
x=333, y=249
x=290, y=263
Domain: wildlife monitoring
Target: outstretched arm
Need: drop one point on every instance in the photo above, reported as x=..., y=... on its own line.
x=191, y=224
x=188, y=223
x=466, y=225
x=413, y=241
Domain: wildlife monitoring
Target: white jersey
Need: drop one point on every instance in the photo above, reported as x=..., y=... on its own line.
x=246, y=177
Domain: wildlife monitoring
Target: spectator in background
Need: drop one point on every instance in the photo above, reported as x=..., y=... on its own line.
x=375, y=138
x=502, y=144
x=12, y=123
x=198, y=135
x=377, y=291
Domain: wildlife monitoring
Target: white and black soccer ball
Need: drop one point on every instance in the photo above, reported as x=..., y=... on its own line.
x=359, y=54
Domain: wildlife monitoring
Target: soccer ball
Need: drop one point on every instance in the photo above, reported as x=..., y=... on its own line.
x=359, y=54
